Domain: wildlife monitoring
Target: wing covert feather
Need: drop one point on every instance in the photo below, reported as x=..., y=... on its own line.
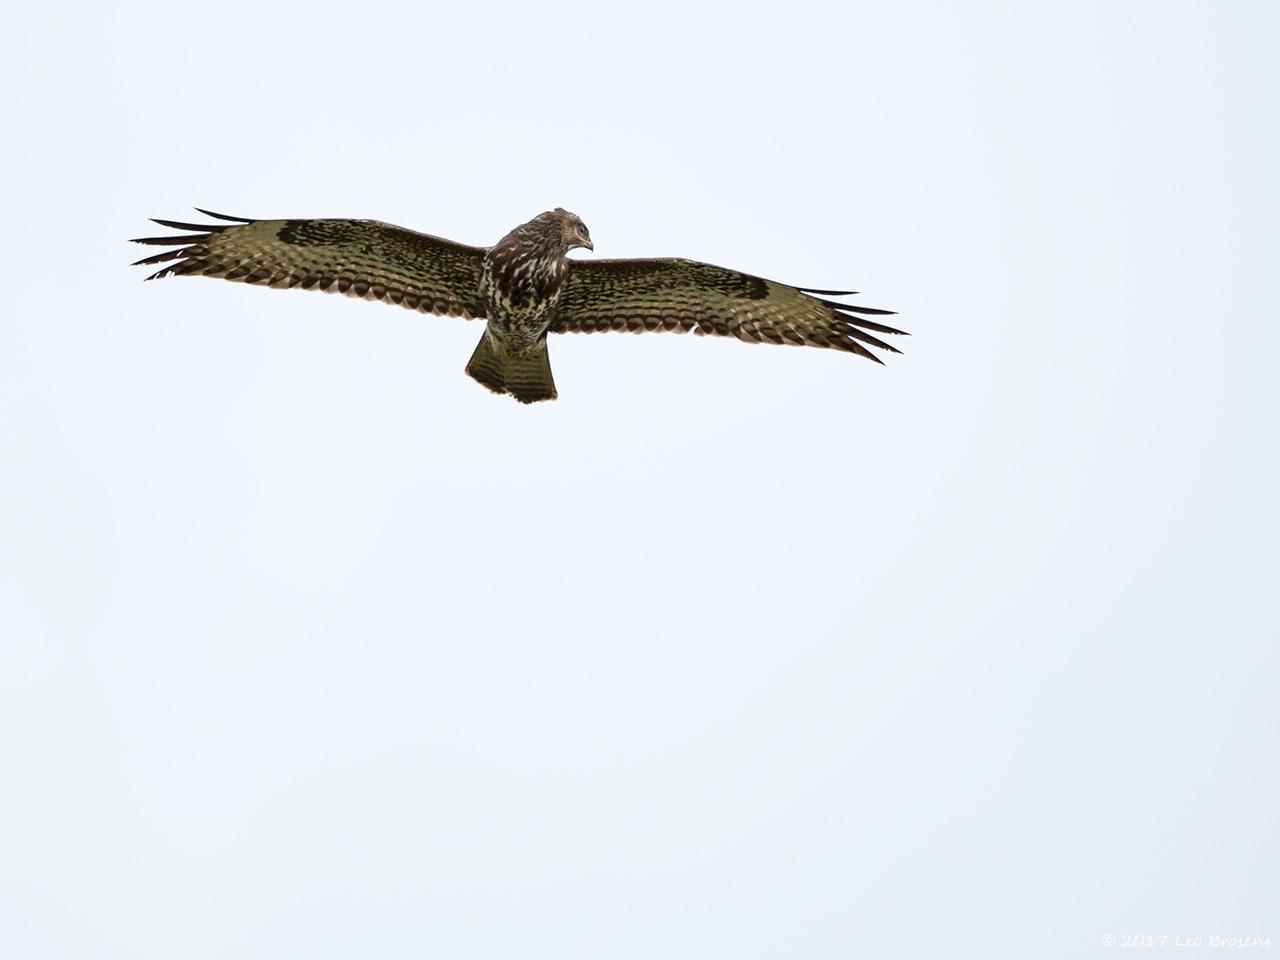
x=359, y=258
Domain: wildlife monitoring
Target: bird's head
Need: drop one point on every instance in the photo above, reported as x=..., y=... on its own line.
x=573, y=232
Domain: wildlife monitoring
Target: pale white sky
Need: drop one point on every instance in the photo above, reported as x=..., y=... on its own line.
x=313, y=648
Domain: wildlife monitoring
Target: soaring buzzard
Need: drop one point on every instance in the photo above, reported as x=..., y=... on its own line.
x=524, y=286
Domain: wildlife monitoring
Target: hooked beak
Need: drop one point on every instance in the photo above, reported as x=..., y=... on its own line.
x=586, y=242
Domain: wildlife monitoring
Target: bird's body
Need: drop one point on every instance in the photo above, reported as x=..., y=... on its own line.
x=524, y=287
x=520, y=287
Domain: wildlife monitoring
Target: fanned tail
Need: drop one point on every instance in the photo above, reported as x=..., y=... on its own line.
x=525, y=375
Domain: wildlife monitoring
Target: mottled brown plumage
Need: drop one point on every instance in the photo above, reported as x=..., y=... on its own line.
x=524, y=286
x=520, y=287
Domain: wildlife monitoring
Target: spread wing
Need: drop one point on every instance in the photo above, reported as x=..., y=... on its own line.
x=684, y=295
x=361, y=258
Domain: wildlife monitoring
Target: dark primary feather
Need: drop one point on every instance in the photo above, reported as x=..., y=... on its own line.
x=222, y=216
x=178, y=225
x=174, y=241
x=684, y=295
x=360, y=258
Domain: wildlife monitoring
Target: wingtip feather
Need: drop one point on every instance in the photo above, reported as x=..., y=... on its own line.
x=180, y=225
x=174, y=241
x=223, y=216
x=161, y=257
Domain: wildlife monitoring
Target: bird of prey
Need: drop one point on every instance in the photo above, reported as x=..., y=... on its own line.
x=524, y=287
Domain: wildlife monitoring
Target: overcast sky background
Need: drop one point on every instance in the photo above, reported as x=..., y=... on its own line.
x=313, y=648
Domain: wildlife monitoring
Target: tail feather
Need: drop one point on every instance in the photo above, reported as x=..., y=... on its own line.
x=487, y=366
x=525, y=375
